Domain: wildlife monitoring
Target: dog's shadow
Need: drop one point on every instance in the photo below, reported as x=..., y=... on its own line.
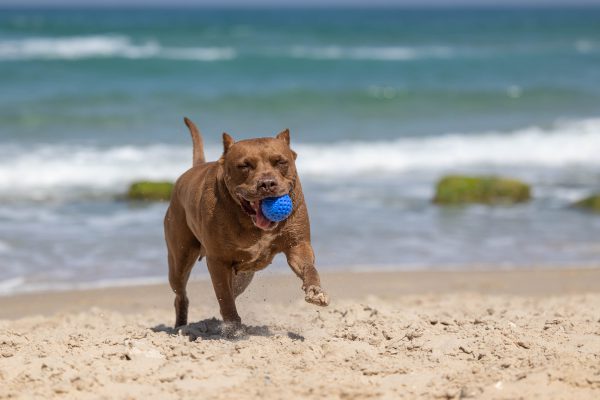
x=213, y=329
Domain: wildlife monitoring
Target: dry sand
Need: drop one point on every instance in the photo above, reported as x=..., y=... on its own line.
x=501, y=335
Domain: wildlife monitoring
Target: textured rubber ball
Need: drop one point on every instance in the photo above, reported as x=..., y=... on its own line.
x=277, y=208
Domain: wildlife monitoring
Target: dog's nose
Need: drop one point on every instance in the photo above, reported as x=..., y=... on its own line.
x=267, y=184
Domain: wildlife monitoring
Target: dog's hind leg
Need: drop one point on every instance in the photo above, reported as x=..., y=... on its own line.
x=183, y=251
x=181, y=263
x=241, y=280
x=221, y=275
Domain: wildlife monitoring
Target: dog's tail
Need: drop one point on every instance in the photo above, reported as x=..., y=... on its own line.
x=198, y=155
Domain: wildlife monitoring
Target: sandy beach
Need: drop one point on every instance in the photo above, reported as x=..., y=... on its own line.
x=501, y=335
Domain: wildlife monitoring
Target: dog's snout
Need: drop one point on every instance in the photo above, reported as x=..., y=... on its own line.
x=267, y=185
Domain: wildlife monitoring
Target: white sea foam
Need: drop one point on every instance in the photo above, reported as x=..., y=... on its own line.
x=9, y=286
x=59, y=171
x=4, y=247
x=585, y=46
x=200, y=54
x=65, y=171
x=566, y=143
x=389, y=53
x=103, y=46
x=120, y=46
x=21, y=285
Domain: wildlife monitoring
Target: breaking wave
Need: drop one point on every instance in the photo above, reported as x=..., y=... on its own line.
x=104, y=46
x=49, y=171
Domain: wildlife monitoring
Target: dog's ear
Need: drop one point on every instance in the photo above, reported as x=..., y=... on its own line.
x=284, y=135
x=227, y=142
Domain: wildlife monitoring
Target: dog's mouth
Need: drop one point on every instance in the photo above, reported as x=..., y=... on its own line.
x=254, y=210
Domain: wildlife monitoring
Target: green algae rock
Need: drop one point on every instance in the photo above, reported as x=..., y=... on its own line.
x=150, y=191
x=591, y=203
x=491, y=190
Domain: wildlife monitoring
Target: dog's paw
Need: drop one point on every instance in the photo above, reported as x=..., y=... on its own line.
x=316, y=295
x=232, y=329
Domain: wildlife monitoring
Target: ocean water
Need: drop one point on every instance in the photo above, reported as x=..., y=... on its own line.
x=380, y=104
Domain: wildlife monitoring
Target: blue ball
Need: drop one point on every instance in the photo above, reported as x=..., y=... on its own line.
x=277, y=208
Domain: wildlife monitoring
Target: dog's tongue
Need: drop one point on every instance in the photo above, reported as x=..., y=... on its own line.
x=260, y=220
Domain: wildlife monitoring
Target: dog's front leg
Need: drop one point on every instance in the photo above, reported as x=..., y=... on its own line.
x=221, y=275
x=301, y=259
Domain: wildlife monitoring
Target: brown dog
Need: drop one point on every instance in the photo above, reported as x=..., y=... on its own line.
x=215, y=211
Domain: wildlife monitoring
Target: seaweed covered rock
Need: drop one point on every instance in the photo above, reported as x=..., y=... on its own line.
x=492, y=190
x=591, y=203
x=150, y=191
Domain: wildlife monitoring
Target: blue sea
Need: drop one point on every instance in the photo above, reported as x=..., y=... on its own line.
x=380, y=104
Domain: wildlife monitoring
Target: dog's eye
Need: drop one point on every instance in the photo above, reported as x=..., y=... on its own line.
x=244, y=166
x=282, y=162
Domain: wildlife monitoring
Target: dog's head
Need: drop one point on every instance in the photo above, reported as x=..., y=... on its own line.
x=255, y=169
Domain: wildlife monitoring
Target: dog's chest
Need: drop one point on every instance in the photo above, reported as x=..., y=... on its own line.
x=256, y=255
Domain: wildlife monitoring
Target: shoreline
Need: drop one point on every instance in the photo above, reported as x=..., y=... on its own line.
x=281, y=287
